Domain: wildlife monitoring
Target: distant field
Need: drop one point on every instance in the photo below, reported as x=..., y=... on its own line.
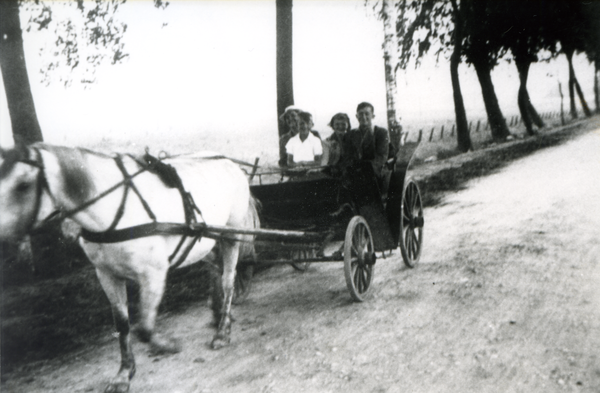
x=263, y=144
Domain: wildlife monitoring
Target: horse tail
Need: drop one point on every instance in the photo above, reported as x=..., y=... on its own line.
x=252, y=220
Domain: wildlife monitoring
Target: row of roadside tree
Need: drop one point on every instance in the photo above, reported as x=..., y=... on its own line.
x=483, y=33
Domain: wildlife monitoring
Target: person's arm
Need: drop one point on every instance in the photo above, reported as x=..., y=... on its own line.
x=289, y=150
x=382, y=145
x=317, y=161
x=283, y=140
x=317, y=152
x=347, y=150
x=290, y=161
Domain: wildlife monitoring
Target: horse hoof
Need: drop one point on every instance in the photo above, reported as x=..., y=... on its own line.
x=216, y=322
x=117, y=387
x=220, y=341
x=164, y=346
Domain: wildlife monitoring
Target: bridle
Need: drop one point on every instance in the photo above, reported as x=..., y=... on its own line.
x=41, y=185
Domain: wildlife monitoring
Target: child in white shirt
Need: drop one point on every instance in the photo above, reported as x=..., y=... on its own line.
x=304, y=149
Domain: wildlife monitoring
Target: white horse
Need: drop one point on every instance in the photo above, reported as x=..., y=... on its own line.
x=118, y=194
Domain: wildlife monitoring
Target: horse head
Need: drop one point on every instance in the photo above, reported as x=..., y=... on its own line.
x=20, y=189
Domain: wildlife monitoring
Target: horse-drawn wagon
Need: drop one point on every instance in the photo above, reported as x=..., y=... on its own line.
x=141, y=216
x=308, y=218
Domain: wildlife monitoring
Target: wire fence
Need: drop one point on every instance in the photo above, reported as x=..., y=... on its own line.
x=442, y=131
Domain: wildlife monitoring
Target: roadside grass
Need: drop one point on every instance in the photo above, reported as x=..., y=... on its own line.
x=455, y=172
x=61, y=309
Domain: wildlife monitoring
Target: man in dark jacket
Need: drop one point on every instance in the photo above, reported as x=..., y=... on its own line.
x=367, y=142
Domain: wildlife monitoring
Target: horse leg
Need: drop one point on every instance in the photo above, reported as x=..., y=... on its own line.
x=216, y=293
x=229, y=252
x=117, y=295
x=152, y=287
x=214, y=263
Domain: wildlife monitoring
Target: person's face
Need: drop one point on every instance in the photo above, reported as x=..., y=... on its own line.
x=304, y=128
x=340, y=125
x=291, y=120
x=365, y=117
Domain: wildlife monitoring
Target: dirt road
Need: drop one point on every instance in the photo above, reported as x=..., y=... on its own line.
x=506, y=299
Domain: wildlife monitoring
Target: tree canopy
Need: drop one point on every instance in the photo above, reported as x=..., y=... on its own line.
x=492, y=30
x=86, y=35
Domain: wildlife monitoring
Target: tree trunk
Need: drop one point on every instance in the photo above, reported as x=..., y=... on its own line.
x=569, y=54
x=573, y=83
x=523, y=69
x=463, y=138
x=495, y=118
x=584, y=105
x=596, y=89
x=537, y=119
x=284, y=66
x=285, y=75
x=389, y=44
x=25, y=126
x=528, y=112
x=562, y=112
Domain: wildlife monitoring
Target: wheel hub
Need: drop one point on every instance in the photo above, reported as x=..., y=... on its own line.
x=368, y=258
x=417, y=222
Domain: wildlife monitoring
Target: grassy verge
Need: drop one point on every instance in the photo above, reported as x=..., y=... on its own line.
x=452, y=174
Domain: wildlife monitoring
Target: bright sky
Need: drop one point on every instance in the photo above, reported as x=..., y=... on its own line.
x=209, y=67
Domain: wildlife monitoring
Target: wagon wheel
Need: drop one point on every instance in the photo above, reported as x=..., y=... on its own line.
x=300, y=255
x=243, y=283
x=359, y=258
x=411, y=224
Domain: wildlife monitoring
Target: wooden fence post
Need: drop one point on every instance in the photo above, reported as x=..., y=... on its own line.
x=478, y=124
x=431, y=135
x=452, y=132
x=442, y=133
x=420, y=135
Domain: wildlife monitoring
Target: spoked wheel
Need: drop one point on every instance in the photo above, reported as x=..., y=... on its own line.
x=300, y=255
x=411, y=224
x=243, y=283
x=359, y=258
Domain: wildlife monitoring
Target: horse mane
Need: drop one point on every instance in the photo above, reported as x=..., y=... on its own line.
x=74, y=169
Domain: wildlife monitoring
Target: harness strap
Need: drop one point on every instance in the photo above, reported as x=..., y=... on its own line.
x=41, y=184
x=111, y=235
x=138, y=231
x=185, y=253
x=121, y=209
x=234, y=160
x=169, y=176
x=131, y=185
x=181, y=241
x=63, y=214
x=157, y=167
